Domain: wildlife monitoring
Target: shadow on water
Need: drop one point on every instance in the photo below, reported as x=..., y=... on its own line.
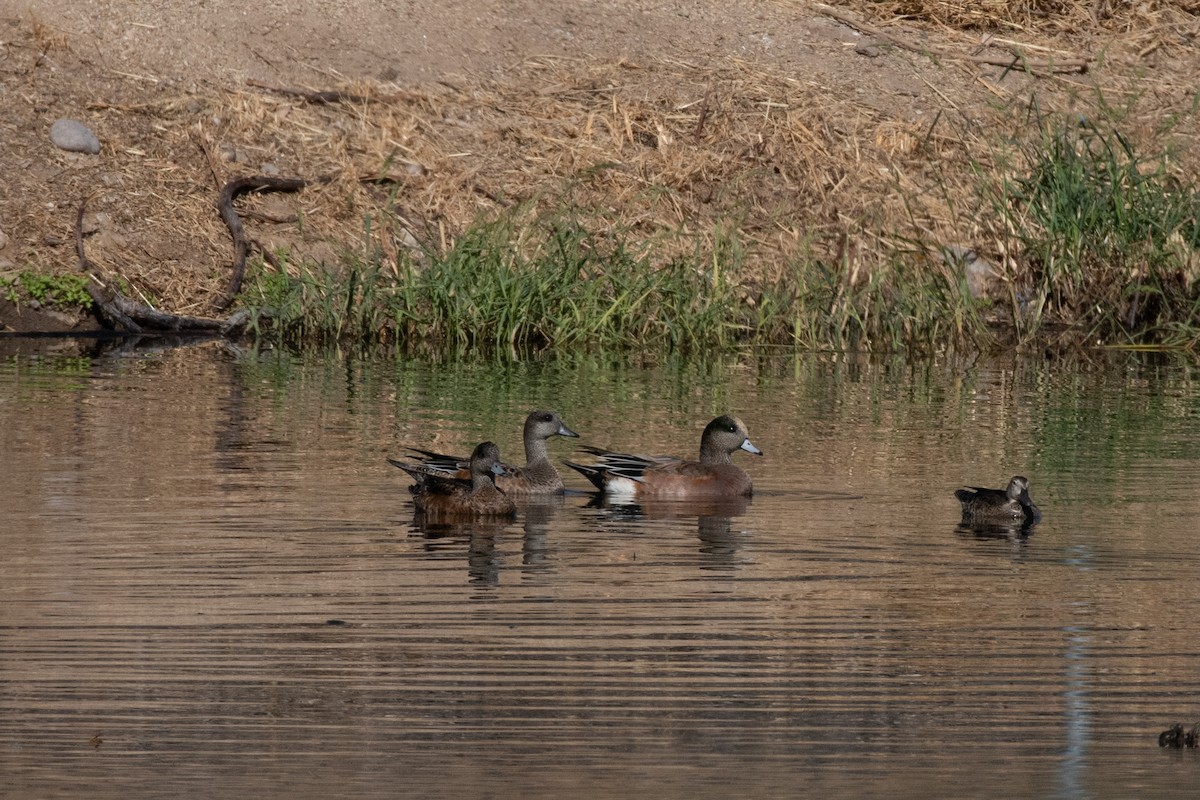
x=100, y=344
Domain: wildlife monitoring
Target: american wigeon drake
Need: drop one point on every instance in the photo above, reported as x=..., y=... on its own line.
x=999, y=505
x=441, y=495
x=714, y=475
x=538, y=476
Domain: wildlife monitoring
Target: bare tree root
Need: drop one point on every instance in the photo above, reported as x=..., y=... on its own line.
x=118, y=311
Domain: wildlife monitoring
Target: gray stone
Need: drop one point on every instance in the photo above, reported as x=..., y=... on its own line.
x=75, y=137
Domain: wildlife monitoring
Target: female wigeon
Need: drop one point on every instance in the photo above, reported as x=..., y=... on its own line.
x=441, y=495
x=714, y=475
x=999, y=505
x=537, y=477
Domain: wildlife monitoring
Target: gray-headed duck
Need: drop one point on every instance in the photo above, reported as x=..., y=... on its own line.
x=999, y=505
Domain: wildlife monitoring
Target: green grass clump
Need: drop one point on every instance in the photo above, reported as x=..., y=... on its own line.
x=560, y=284
x=903, y=303
x=1109, y=239
x=555, y=283
x=574, y=287
x=573, y=280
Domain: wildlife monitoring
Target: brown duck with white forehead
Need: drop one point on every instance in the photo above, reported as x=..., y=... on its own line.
x=714, y=475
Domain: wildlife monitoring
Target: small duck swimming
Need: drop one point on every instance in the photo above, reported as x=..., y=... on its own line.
x=999, y=505
x=537, y=477
x=442, y=495
x=713, y=476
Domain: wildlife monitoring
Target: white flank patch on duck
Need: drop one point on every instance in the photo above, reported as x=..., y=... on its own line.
x=620, y=486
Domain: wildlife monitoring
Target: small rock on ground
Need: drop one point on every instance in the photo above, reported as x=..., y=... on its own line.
x=75, y=137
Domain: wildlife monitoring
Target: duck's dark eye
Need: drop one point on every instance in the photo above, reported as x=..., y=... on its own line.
x=546, y=417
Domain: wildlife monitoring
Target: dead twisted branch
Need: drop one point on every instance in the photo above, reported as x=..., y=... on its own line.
x=241, y=246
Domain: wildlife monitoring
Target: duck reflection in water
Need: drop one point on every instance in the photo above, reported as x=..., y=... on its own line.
x=996, y=530
x=719, y=539
x=484, y=538
x=476, y=539
x=538, y=515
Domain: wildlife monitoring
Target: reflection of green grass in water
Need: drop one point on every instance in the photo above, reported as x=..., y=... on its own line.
x=1118, y=412
x=473, y=399
x=1077, y=426
x=1102, y=242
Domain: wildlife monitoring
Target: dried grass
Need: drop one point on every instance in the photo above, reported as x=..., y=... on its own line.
x=1054, y=17
x=1140, y=34
x=638, y=144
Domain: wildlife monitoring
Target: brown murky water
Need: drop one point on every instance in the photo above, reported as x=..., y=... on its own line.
x=212, y=585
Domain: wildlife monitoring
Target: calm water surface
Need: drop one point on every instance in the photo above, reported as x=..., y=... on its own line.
x=212, y=584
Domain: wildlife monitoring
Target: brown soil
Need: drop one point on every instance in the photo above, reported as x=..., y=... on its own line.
x=667, y=116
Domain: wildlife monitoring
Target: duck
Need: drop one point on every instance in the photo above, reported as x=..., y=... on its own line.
x=714, y=475
x=537, y=477
x=999, y=505
x=442, y=495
